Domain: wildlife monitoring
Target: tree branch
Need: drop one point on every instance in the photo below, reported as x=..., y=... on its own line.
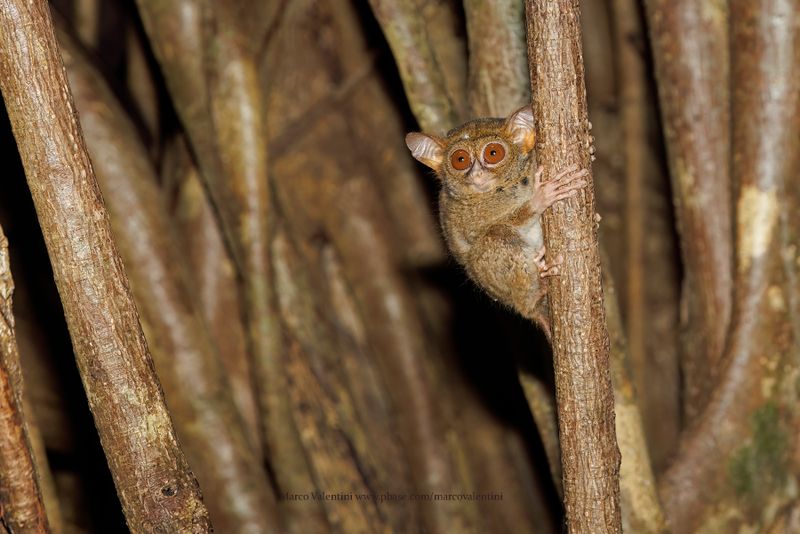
x=649, y=288
x=498, y=69
x=585, y=396
x=220, y=101
x=21, y=505
x=155, y=486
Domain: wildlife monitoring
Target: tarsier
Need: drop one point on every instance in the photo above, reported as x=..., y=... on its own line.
x=491, y=203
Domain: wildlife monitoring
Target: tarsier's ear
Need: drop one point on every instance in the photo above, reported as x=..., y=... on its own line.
x=519, y=128
x=426, y=149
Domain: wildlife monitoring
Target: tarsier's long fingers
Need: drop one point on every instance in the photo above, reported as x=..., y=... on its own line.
x=568, y=185
x=569, y=170
x=561, y=195
x=563, y=185
x=569, y=177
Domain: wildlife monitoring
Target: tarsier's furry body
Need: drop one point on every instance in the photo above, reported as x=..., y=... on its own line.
x=491, y=202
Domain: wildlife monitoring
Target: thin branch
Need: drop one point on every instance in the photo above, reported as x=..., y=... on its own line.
x=641, y=509
x=585, y=396
x=21, y=505
x=155, y=486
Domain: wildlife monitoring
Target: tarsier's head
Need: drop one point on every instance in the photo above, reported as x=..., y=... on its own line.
x=479, y=156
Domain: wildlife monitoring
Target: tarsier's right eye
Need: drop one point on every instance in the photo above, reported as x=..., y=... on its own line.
x=460, y=160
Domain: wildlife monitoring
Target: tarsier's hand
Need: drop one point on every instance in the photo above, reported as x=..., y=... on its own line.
x=564, y=185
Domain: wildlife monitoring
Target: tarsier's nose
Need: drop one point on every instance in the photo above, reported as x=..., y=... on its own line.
x=479, y=178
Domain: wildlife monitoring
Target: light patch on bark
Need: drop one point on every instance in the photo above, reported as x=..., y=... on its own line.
x=767, y=386
x=757, y=215
x=714, y=11
x=775, y=298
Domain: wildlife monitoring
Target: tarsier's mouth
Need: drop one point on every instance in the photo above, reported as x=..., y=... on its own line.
x=482, y=187
x=480, y=180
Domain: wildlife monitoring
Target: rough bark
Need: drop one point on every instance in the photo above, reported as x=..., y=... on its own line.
x=690, y=52
x=21, y=505
x=195, y=387
x=736, y=458
x=155, y=486
x=585, y=396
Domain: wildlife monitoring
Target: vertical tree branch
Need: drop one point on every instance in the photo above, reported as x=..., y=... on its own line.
x=649, y=284
x=155, y=486
x=589, y=453
x=47, y=484
x=641, y=509
x=690, y=41
x=21, y=505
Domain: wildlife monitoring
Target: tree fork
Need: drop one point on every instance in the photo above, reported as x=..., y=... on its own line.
x=589, y=453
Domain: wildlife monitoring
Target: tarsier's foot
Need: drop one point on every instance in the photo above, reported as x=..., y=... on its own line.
x=547, y=269
x=563, y=185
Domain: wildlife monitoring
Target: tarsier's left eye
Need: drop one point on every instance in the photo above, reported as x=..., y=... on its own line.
x=460, y=160
x=494, y=153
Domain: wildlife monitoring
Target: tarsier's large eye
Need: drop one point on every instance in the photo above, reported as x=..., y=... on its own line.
x=460, y=160
x=494, y=153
